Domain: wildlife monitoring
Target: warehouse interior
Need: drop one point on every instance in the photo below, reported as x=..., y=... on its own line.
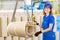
x=17, y=12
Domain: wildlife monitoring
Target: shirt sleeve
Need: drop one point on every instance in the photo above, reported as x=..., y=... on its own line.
x=51, y=19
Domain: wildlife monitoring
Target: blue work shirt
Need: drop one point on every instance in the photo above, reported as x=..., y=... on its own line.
x=50, y=35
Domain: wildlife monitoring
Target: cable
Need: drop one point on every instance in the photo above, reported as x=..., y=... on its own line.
x=14, y=11
x=28, y=16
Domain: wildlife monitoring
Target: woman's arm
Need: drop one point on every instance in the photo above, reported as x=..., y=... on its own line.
x=48, y=29
x=42, y=31
x=51, y=22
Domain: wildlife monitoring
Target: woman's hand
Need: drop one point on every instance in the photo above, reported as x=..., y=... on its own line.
x=37, y=33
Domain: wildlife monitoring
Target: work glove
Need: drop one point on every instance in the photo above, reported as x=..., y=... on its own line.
x=37, y=33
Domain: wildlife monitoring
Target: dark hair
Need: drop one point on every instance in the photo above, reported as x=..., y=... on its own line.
x=49, y=12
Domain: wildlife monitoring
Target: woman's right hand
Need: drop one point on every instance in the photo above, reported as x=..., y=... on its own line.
x=37, y=33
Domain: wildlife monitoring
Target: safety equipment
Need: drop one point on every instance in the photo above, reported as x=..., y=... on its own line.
x=49, y=5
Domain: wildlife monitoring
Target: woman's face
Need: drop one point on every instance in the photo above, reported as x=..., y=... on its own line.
x=47, y=10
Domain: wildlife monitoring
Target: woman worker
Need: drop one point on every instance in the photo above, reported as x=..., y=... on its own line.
x=47, y=24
